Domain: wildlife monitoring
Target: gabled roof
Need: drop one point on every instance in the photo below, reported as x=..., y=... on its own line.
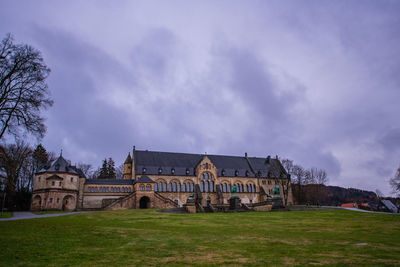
x=185, y=164
x=54, y=177
x=144, y=179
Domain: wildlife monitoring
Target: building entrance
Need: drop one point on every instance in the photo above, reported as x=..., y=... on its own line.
x=144, y=203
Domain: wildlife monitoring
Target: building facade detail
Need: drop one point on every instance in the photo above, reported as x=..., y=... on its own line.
x=161, y=180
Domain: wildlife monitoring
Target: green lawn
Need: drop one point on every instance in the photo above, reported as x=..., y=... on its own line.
x=6, y=214
x=146, y=237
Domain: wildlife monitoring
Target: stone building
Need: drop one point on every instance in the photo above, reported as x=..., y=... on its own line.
x=161, y=180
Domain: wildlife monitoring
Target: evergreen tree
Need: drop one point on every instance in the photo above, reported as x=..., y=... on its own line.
x=111, y=168
x=104, y=170
x=40, y=158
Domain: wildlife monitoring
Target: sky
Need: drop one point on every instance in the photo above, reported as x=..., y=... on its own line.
x=313, y=81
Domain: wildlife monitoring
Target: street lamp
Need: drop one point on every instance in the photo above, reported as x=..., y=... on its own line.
x=3, y=188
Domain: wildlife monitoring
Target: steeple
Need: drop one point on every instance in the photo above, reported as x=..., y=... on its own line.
x=128, y=159
x=128, y=167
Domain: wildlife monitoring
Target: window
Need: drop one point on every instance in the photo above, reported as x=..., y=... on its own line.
x=159, y=170
x=172, y=171
x=225, y=188
x=254, y=188
x=174, y=187
x=183, y=187
x=187, y=171
x=165, y=187
x=206, y=186
x=148, y=187
x=59, y=183
x=144, y=170
x=52, y=183
x=179, y=187
x=223, y=172
x=58, y=200
x=236, y=173
x=201, y=186
x=211, y=186
x=118, y=189
x=50, y=200
x=229, y=188
x=72, y=179
x=247, y=173
x=155, y=187
x=169, y=187
x=191, y=187
x=247, y=188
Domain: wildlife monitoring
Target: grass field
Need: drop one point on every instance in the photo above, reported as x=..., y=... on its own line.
x=146, y=237
x=6, y=214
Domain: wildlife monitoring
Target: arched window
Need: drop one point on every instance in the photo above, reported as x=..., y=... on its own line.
x=129, y=189
x=241, y=188
x=201, y=186
x=212, y=186
x=179, y=187
x=254, y=188
x=206, y=186
x=247, y=188
x=170, y=187
x=174, y=187
x=183, y=187
x=155, y=187
x=117, y=189
x=238, y=188
x=192, y=187
x=225, y=188
x=229, y=188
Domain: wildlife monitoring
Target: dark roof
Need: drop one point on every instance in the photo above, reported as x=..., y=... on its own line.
x=185, y=164
x=128, y=159
x=110, y=181
x=54, y=176
x=144, y=179
x=389, y=205
x=60, y=165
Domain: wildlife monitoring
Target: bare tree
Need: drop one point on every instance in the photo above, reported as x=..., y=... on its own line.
x=288, y=165
x=23, y=90
x=395, y=182
x=13, y=161
x=299, y=175
x=119, y=171
x=321, y=177
x=87, y=169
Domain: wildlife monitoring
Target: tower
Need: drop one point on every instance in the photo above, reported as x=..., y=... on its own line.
x=128, y=167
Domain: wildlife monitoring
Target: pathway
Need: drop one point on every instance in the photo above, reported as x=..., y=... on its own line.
x=22, y=215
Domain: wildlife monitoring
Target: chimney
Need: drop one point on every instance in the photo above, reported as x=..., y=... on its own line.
x=268, y=160
x=245, y=155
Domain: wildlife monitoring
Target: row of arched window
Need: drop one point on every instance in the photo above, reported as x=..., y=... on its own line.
x=145, y=188
x=240, y=188
x=108, y=189
x=173, y=187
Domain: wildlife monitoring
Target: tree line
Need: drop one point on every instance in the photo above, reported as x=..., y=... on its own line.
x=301, y=177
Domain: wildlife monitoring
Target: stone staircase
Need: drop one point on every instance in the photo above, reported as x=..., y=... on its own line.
x=120, y=201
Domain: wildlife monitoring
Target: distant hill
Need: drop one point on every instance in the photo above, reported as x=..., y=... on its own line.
x=331, y=195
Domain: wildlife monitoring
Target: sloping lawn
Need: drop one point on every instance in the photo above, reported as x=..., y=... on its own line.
x=147, y=237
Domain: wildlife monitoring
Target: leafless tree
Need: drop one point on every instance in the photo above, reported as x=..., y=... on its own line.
x=119, y=171
x=288, y=165
x=87, y=169
x=395, y=182
x=321, y=177
x=15, y=162
x=23, y=89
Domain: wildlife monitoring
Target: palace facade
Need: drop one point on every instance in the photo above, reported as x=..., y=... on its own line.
x=161, y=180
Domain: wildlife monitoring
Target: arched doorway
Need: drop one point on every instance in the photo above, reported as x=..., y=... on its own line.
x=144, y=203
x=68, y=203
x=36, y=203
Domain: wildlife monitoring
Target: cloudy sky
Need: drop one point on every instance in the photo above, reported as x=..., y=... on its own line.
x=314, y=81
